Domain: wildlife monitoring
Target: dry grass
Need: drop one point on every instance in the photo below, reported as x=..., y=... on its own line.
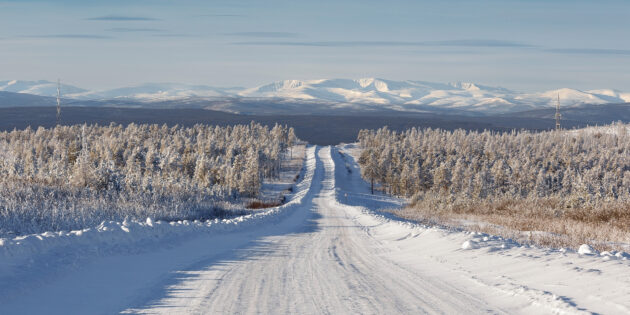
x=551, y=221
x=262, y=204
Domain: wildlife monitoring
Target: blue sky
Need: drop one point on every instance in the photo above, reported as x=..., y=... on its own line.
x=523, y=45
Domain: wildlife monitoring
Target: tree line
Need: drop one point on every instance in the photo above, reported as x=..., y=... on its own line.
x=582, y=166
x=72, y=176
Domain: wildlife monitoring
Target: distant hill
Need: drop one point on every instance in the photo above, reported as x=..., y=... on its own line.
x=12, y=99
x=40, y=87
x=587, y=114
x=328, y=96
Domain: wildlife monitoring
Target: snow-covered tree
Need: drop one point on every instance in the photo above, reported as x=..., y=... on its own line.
x=587, y=165
x=109, y=172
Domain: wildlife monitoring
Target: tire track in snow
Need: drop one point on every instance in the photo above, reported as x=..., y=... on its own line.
x=317, y=255
x=329, y=266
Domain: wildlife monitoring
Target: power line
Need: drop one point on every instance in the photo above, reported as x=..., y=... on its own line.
x=58, y=101
x=558, y=113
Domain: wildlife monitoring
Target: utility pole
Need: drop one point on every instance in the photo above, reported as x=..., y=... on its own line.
x=58, y=101
x=84, y=146
x=558, y=113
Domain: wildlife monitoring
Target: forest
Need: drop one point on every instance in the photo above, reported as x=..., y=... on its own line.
x=554, y=188
x=72, y=177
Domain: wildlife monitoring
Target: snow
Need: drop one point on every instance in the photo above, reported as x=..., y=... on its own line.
x=274, y=188
x=414, y=94
x=612, y=129
x=41, y=87
x=586, y=249
x=622, y=255
x=549, y=280
x=157, y=92
x=470, y=244
x=612, y=95
x=329, y=250
x=466, y=86
x=347, y=93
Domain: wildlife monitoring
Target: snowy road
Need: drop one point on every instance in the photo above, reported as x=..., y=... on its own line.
x=328, y=265
x=333, y=255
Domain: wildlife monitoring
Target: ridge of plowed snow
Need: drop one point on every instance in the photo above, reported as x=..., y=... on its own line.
x=20, y=255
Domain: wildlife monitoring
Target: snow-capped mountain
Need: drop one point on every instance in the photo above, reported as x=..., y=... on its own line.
x=41, y=87
x=158, y=92
x=146, y=92
x=367, y=93
x=417, y=95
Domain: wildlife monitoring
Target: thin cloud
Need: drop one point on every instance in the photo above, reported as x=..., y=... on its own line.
x=328, y=43
x=219, y=15
x=172, y=35
x=446, y=51
x=590, y=51
x=132, y=30
x=121, y=18
x=264, y=34
x=449, y=43
x=69, y=36
x=477, y=43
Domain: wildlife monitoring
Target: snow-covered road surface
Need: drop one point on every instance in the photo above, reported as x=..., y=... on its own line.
x=330, y=253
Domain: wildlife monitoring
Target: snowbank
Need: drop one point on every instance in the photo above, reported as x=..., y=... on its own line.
x=558, y=281
x=48, y=249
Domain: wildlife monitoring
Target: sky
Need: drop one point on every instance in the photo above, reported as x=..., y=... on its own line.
x=525, y=45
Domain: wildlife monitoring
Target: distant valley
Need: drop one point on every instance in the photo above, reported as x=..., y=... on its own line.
x=321, y=111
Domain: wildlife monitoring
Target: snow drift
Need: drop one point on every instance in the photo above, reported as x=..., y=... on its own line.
x=20, y=254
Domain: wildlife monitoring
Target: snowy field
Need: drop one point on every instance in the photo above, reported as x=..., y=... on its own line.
x=327, y=250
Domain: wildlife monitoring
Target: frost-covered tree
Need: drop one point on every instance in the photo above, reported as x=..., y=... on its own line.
x=72, y=176
x=584, y=165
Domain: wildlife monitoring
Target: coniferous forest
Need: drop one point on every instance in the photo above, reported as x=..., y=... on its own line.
x=71, y=177
x=573, y=184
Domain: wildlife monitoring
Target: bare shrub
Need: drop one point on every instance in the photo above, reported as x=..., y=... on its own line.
x=544, y=221
x=260, y=204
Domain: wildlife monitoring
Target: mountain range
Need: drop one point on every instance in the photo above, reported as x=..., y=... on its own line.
x=367, y=93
